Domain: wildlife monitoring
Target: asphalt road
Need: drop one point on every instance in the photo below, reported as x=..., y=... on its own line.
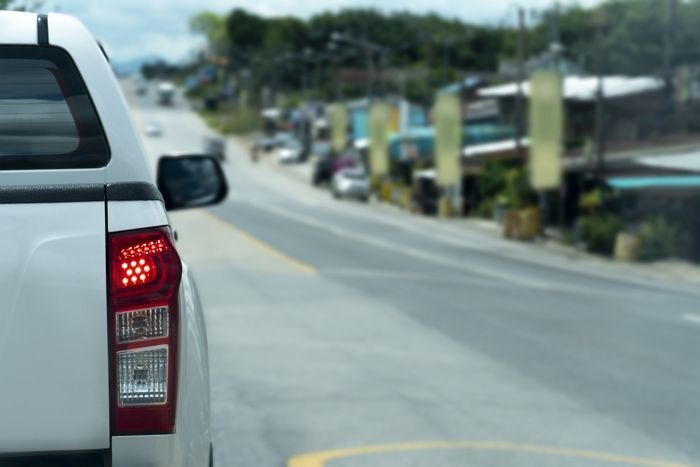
x=364, y=336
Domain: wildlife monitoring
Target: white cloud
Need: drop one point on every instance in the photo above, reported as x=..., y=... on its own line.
x=134, y=28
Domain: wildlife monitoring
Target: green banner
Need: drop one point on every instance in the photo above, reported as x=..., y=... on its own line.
x=339, y=127
x=379, y=139
x=448, y=140
x=546, y=130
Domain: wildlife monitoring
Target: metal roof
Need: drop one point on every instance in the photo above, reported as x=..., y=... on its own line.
x=584, y=88
x=491, y=148
x=670, y=181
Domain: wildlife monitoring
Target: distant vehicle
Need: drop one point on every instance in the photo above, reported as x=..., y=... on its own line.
x=166, y=93
x=289, y=152
x=153, y=130
x=281, y=138
x=425, y=191
x=215, y=146
x=351, y=183
x=141, y=88
x=266, y=142
x=321, y=149
x=322, y=171
x=349, y=159
x=103, y=347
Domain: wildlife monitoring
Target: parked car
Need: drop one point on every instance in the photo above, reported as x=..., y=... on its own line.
x=266, y=142
x=281, y=138
x=351, y=183
x=103, y=348
x=322, y=171
x=289, y=152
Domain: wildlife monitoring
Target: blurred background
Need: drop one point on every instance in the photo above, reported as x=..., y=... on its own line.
x=459, y=233
x=629, y=84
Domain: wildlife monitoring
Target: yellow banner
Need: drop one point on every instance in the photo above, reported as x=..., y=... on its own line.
x=379, y=139
x=448, y=139
x=546, y=130
x=395, y=120
x=339, y=127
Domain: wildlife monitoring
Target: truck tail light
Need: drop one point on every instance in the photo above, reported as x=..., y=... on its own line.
x=145, y=274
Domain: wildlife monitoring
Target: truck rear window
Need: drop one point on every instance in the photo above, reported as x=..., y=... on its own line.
x=47, y=119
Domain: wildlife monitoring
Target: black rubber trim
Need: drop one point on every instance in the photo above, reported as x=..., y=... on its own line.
x=75, y=193
x=102, y=458
x=104, y=51
x=42, y=29
x=133, y=191
x=52, y=193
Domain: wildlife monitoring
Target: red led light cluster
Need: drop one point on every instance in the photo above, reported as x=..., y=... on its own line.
x=137, y=264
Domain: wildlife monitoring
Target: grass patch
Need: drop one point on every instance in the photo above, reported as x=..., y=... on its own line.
x=231, y=120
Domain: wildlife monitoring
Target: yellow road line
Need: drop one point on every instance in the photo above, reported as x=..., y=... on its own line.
x=271, y=251
x=319, y=459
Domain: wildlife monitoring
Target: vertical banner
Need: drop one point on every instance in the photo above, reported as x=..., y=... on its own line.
x=359, y=118
x=395, y=120
x=339, y=127
x=448, y=140
x=546, y=130
x=379, y=139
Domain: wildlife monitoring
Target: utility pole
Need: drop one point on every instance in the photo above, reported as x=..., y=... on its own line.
x=336, y=79
x=370, y=73
x=446, y=44
x=669, y=46
x=519, y=99
x=600, y=102
x=557, y=49
x=556, y=46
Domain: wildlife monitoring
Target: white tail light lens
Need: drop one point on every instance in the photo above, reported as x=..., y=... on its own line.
x=143, y=376
x=137, y=325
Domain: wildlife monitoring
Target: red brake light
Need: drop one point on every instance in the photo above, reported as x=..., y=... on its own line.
x=137, y=266
x=145, y=274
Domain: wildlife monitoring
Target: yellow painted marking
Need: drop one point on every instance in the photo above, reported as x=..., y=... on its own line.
x=271, y=251
x=319, y=459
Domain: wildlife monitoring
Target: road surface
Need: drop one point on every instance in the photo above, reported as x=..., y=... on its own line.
x=359, y=335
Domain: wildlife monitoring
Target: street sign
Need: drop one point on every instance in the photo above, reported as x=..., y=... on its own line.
x=339, y=127
x=448, y=140
x=379, y=139
x=546, y=130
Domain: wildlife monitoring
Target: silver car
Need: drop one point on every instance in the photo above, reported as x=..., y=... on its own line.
x=351, y=183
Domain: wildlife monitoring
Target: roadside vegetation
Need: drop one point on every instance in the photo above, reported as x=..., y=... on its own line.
x=253, y=62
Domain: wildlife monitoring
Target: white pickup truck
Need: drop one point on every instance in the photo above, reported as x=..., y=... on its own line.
x=103, y=349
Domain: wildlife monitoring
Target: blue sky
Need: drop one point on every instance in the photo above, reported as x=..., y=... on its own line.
x=134, y=28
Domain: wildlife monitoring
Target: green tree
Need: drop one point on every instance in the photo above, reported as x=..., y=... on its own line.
x=285, y=34
x=246, y=33
x=21, y=5
x=213, y=27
